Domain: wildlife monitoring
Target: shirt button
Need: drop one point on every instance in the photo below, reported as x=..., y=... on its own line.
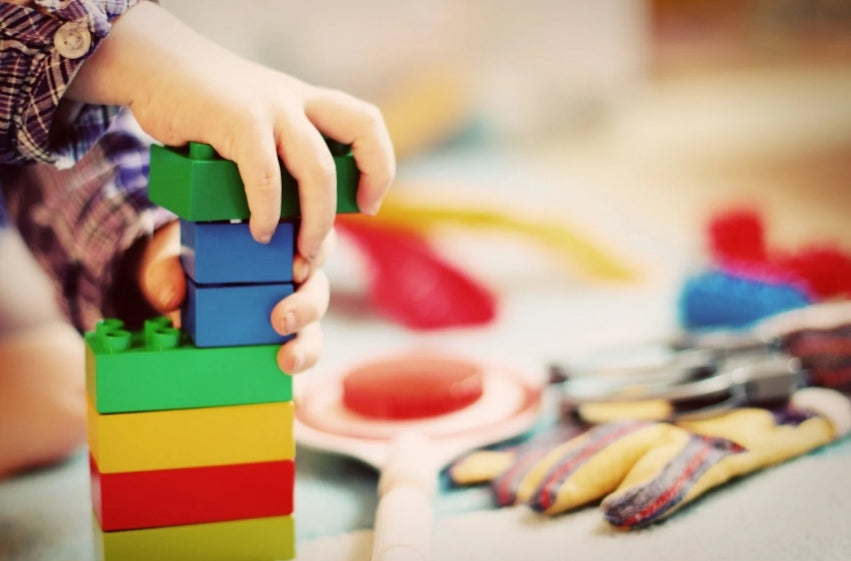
x=72, y=39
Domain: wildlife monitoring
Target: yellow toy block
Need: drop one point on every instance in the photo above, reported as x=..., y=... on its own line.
x=210, y=436
x=255, y=539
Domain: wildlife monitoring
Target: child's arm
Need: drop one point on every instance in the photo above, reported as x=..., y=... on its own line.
x=44, y=44
x=78, y=217
x=182, y=87
x=78, y=237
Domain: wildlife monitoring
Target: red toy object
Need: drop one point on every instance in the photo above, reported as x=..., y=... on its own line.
x=173, y=497
x=412, y=387
x=737, y=236
x=737, y=245
x=411, y=453
x=412, y=285
x=826, y=270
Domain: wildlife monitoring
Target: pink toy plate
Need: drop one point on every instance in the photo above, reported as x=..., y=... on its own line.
x=410, y=453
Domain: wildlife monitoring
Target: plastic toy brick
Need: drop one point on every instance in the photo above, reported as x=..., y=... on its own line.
x=159, y=368
x=231, y=315
x=214, y=436
x=258, y=539
x=173, y=497
x=198, y=185
x=225, y=253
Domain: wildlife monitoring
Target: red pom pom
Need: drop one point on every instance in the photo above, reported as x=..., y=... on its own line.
x=737, y=236
x=825, y=269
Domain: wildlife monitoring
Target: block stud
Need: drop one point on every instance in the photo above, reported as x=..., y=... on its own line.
x=164, y=339
x=116, y=340
x=153, y=326
x=200, y=151
x=107, y=325
x=111, y=334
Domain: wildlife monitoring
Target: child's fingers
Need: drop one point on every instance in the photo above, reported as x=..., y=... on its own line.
x=165, y=284
x=303, y=269
x=258, y=166
x=356, y=122
x=305, y=306
x=307, y=158
x=160, y=275
x=301, y=352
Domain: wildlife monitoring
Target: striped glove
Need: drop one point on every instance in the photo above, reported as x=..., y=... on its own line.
x=644, y=471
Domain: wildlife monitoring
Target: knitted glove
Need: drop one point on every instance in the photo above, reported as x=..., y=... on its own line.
x=644, y=471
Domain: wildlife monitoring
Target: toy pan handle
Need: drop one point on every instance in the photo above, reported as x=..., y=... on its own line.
x=403, y=520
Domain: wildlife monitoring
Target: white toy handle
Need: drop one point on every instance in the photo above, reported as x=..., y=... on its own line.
x=403, y=519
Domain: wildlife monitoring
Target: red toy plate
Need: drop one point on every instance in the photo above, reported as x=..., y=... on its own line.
x=412, y=387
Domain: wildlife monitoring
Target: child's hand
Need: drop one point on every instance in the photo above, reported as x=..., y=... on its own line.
x=182, y=87
x=161, y=279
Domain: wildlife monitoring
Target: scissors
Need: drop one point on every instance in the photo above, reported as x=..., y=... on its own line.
x=705, y=373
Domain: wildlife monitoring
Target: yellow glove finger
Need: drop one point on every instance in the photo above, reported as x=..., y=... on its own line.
x=480, y=466
x=715, y=450
x=588, y=467
x=667, y=477
x=510, y=464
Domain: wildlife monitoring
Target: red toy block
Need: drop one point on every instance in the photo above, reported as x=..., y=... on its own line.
x=175, y=497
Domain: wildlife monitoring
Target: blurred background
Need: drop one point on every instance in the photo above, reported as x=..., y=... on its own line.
x=612, y=130
x=623, y=126
x=666, y=108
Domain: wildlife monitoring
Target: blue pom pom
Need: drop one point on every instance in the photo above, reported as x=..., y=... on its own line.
x=715, y=299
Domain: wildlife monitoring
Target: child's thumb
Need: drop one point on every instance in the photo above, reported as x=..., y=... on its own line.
x=164, y=284
x=160, y=274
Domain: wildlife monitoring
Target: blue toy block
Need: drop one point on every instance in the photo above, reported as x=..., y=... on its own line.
x=225, y=253
x=232, y=315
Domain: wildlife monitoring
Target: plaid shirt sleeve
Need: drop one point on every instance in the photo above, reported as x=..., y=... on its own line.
x=81, y=222
x=83, y=205
x=35, y=70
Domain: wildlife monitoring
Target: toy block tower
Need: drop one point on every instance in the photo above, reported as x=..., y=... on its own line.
x=190, y=430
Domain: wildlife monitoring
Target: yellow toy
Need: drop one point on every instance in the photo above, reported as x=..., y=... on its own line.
x=644, y=471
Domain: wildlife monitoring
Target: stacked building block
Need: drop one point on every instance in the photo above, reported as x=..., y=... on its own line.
x=190, y=431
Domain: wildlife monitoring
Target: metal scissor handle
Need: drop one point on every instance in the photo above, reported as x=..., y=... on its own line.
x=711, y=371
x=758, y=380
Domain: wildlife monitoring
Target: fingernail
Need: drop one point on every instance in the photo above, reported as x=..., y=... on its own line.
x=289, y=323
x=301, y=269
x=264, y=238
x=370, y=210
x=167, y=296
x=298, y=361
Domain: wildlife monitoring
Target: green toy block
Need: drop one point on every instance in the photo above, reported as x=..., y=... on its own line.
x=198, y=185
x=255, y=539
x=159, y=368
